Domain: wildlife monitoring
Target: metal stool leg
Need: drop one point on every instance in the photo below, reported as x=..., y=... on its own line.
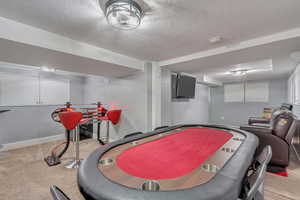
x=76, y=162
x=107, y=132
x=98, y=132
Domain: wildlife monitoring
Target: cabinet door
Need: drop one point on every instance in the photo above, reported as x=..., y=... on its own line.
x=54, y=91
x=18, y=90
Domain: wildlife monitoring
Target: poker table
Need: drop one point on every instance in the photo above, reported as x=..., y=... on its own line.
x=195, y=162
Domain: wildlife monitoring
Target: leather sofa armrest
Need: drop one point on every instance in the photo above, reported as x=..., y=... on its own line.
x=258, y=120
x=279, y=146
x=257, y=129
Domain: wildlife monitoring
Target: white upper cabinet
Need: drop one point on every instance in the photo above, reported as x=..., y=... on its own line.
x=18, y=90
x=24, y=89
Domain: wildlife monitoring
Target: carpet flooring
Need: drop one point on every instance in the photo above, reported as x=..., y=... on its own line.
x=25, y=176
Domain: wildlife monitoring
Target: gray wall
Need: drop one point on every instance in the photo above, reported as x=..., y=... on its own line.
x=192, y=110
x=128, y=93
x=238, y=113
x=28, y=122
x=31, y=122
x=184, y=111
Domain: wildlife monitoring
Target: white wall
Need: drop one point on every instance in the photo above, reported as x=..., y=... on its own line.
x=184, y=111
x=193, y=110
x=127, y=93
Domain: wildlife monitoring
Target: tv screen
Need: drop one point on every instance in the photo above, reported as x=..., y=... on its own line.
x=185, y=86
x=174, y=86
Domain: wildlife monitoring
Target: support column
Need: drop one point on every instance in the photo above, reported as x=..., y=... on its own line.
x=156, y=95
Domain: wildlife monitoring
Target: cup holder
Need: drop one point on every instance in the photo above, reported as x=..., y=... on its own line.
x=106, y=162
x=152, y=186
x=134, y=143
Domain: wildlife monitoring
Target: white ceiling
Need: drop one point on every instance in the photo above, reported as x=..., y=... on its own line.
x=216, y=66
x=171, y=29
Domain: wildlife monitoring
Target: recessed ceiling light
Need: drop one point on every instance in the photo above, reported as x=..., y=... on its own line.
x=216, y=39
x=47, y=69
x=123, y=14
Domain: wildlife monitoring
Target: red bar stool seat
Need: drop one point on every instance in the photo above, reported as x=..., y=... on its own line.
x=84, y=121
x=112, y=116
x=71, y=122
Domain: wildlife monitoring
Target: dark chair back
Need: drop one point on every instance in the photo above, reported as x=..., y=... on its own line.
x=256, y=179
x=286, y=106
x=283, y=123
x=57, y=194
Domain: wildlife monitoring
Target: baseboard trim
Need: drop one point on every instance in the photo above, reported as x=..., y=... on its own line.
x=27, y=143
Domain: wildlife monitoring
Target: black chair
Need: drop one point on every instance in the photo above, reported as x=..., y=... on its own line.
x=286, y=106
x=253, y=188
x=133, y=134
x=57, y=194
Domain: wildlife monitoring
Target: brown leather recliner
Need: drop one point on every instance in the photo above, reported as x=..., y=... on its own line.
x=278, y=135
x=260, y=121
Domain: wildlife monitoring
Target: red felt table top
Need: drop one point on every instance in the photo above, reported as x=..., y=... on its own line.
x=174, y=155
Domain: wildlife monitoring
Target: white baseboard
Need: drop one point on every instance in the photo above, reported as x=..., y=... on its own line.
x=26, y=143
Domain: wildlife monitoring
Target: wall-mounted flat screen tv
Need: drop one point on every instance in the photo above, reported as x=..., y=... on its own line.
x=183, y=86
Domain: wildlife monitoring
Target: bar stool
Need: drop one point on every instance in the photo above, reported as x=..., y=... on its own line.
x=71, y=122
x=112, y=116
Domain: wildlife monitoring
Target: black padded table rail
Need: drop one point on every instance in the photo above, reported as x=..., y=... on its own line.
x=225, y=185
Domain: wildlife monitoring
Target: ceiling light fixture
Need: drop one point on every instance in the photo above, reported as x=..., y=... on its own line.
x=47, y=69
x=239, y=72
x=123, y=14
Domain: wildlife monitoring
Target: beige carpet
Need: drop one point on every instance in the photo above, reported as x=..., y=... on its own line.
x=25, y=176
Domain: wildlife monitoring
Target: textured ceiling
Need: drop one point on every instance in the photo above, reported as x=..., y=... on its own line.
x=171, y=28
x=216, y=66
